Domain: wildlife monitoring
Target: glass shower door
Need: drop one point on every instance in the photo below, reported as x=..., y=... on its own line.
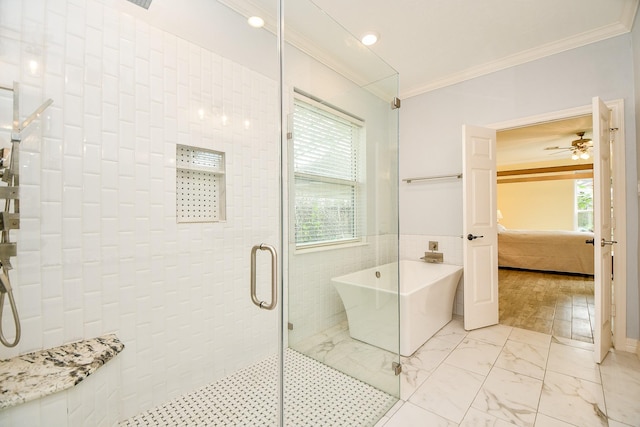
x=245, y=114
x=323, y=178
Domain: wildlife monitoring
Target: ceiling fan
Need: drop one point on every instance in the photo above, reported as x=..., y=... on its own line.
x=580, y=148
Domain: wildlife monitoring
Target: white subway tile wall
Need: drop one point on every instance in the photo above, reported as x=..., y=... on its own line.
x=99, y=248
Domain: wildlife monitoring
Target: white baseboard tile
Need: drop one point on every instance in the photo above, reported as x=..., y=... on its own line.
x=633, y=346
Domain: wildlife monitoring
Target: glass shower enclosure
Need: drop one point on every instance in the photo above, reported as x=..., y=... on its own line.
x=338, y=175
x=207, y=190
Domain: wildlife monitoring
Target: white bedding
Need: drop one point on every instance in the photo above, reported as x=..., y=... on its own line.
x=562, y=251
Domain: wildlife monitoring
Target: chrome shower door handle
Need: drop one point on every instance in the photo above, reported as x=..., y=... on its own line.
x=274, y=277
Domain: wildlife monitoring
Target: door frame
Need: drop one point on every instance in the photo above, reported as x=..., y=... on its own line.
x=619, y=203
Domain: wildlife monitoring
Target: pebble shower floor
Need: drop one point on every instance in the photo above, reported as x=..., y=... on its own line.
x=315, y=395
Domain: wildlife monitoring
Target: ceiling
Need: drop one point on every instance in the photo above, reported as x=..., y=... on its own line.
x=436, y=43
x=528, y=144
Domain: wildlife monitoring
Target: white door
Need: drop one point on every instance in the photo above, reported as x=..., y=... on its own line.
x=480, y=239
x=602, y=231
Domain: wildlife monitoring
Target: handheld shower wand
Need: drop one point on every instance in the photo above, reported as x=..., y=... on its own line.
x=10, y=173
x=5, y=289
x=8, y=221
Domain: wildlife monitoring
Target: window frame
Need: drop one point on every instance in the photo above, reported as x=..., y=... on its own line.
x=358, y=184
x=577, y=211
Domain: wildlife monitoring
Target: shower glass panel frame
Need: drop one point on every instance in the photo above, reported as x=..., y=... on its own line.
x=325, y=65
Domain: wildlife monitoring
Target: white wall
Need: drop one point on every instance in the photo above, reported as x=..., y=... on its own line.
x=538, y=205
x=431, y=133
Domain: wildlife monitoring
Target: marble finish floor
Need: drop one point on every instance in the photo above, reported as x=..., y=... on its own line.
x=496, y=376
x=557, y=304
x=506, y=376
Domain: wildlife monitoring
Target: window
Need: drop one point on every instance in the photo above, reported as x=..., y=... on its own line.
x=584, y=204
x=327, y=149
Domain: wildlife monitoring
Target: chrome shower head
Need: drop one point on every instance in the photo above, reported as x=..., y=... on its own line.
x=142, y=3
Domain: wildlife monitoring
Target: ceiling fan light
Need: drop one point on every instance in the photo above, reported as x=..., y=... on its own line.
x=584, y=155
x=575, y=156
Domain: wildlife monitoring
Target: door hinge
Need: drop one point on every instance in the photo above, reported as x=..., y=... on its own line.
x=612, y=134
x=290, y=326
x=289, y=136
x=395, y=103
x=397, y=368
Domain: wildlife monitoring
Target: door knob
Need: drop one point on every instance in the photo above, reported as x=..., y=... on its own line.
x=590, y=242
x=472, y=237
x=607, y=242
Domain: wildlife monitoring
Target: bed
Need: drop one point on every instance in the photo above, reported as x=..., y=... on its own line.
x=561, y=251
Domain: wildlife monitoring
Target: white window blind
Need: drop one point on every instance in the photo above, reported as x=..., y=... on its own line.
x=326, y=159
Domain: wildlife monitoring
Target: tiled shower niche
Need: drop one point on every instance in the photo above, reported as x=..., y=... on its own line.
x=200, y=185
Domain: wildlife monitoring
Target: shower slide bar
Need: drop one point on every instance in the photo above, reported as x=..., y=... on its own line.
x=432, y=178
x=274, y=277
x=10, y=173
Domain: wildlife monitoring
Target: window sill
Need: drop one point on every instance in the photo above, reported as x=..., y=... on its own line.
x=323, y=248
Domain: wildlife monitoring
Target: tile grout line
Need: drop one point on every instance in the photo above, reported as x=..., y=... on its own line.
x=485, y=379
x=544, y=376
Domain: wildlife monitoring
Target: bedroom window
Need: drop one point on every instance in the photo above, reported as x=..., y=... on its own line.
x=327, y=153
x=584, y=204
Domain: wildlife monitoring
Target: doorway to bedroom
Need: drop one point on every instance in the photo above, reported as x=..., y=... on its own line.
x=545, y=218
x=552, y=191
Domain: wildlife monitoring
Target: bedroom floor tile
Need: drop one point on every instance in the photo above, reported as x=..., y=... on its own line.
x=580, y=312
x=557, y=304
x=561, y=328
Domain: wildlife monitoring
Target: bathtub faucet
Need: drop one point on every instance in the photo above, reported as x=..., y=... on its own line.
x=434, y=257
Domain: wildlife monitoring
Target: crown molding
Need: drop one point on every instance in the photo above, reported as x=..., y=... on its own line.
x=629, y=12
x=623, y=26
x=523, y=57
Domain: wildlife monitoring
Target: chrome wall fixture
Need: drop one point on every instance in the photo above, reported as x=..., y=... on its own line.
x=10, y=216
x=433, y=178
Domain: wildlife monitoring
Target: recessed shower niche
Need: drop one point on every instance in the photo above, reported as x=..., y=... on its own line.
x=200, y=185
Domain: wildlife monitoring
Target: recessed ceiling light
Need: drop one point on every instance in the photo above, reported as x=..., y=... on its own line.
x=256, y=22
x=369, y=39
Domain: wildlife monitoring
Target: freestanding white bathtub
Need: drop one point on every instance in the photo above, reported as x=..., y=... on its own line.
x=370, y=299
